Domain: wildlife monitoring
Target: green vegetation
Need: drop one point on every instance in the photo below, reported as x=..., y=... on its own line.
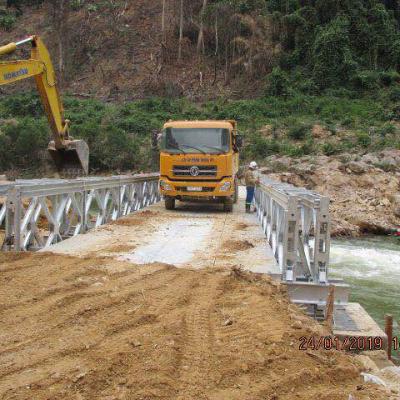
x=119, y=134
x=7, y=21
x=310, y=46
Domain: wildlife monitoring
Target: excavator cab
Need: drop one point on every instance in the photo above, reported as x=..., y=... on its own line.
x=70, y=156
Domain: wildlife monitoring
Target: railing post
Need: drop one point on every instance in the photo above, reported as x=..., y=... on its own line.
x=84, y=211
x=322, y=240
x=9, y=239
x=291, y=240
x=13, y=219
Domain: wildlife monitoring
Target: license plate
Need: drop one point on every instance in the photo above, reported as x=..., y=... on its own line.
x=194, y=188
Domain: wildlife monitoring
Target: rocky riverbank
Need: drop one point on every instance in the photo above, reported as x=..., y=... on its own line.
x=364, y=189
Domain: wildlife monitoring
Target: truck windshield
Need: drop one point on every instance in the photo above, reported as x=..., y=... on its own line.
x=195, y=140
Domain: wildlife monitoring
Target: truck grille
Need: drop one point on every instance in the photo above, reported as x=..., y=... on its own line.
x=194, y=170
x=204, y=189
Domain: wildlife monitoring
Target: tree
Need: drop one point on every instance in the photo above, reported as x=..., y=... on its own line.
x=180, y=30
x=163, y=31
x=200, y=40
x=381, y=33
x=59, y=11
x=255, y=51
x=333, y=62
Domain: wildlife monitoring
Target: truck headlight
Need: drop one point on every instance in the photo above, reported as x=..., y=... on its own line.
x=165, y=186
x=225, y=187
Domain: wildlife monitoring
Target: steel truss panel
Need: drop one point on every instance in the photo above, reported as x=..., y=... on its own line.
x=296, y=222
x=39, y=213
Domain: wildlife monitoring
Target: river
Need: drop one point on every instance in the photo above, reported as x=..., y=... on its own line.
x=372, y=267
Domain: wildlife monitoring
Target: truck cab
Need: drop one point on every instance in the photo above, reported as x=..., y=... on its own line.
x=199, y=161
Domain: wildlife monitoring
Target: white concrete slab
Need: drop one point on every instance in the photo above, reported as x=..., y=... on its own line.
x=174, y=243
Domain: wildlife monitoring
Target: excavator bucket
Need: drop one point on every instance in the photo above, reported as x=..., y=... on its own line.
x=73, y=160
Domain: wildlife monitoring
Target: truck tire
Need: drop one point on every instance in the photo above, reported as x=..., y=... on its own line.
x=236, y=194
x=228, y=204
x=170, y=203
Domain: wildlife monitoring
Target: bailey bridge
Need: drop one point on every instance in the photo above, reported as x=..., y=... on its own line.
x=288, y=237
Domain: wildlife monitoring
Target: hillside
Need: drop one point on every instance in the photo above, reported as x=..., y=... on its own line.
x=132, y=49
x=112, y=51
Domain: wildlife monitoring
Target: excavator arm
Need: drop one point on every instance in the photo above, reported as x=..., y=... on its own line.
x=68, y=154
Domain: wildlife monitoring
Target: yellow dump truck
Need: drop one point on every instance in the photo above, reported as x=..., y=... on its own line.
x=199, y=161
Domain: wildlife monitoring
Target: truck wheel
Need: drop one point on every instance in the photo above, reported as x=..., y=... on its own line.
x=170, y=203
x=228, y=205
x=236, y=194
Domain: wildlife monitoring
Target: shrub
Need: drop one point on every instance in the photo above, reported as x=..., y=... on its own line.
x=394, y=94
x=364, y=139
x=387, y=129
x=261, y=147
x=347, y=122
x=330, y=149
x=388, y=78
x=24, y=143
x=76, y=4
x=366, y=80
x=7, y=21
x=308, y=147
x=23, y=105
x=277, y=83
x=298, y=132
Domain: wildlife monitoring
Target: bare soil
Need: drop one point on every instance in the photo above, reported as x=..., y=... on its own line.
x=241, y=226
x=120, y=248
x=238, y=245
x=98, y=328
x=127, y=222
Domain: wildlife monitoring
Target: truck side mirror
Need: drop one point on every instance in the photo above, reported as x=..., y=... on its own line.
x=239, y=142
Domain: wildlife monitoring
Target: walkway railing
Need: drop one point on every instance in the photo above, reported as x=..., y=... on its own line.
x=43, y=212
x=297, y=225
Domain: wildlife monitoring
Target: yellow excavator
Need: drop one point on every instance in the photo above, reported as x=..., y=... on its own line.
x=70, y=156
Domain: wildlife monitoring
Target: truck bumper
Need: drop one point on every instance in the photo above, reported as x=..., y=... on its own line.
x=185, y=190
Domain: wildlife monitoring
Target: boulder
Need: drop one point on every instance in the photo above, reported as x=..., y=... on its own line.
x=393, y=154
x=281, y=164
x=370, y=159
x=357, y=167
x=303, y=169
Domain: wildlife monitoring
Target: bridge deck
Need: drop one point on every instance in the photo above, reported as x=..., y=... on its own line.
x=194, y=235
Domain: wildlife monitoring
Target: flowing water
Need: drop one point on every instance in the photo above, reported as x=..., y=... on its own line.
x=372, y=268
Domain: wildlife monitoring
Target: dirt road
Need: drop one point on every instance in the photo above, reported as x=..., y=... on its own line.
x=99, y=328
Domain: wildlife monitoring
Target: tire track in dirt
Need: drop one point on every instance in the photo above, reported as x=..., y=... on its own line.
x=198, y=338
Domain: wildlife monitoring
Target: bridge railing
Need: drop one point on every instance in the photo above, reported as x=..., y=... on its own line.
x=296, y=222
x=3, y=206
x=43, y=212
